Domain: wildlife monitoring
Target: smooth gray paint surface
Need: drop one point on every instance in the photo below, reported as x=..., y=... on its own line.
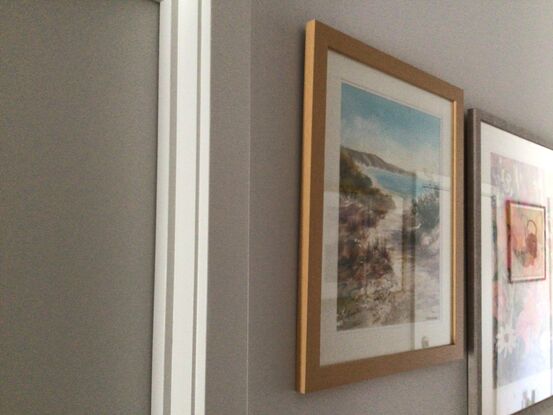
x=499, y=52
x=78, y=134
x=227, y=339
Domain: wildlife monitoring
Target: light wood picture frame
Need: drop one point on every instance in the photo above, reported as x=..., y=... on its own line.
x=320, y=363
x=506, y=372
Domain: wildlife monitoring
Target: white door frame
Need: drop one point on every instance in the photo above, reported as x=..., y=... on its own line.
x=180, y=292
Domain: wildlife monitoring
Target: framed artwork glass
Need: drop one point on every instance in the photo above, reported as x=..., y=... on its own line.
x=381, y=251
x=509, y=251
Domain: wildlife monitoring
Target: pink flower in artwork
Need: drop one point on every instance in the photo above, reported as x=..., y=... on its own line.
x=529, y=322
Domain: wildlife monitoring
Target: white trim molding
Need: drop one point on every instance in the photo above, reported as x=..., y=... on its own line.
x=180, y=293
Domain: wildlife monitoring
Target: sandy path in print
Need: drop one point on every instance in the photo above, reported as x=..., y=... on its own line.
x=388, y=230
x=415, y=277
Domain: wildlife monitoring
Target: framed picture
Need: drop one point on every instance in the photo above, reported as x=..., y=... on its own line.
x=381, y=252
x=509, y=260
x=525, y=241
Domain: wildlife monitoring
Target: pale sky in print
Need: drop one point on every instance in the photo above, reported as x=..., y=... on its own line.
x=399, y=134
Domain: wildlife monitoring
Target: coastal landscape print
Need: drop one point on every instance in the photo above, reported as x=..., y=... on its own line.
x=389, y=213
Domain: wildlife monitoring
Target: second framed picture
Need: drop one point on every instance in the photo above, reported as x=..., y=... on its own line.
x=509, y=214
x=381, y=253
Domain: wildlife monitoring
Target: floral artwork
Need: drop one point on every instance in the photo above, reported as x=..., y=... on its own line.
x=520, y=311
x=389, y=213
x=526, y=255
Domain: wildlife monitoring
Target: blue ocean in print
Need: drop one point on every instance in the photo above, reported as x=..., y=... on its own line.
x=403, y=185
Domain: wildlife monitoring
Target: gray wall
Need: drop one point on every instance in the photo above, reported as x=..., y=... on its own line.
x=227, y=339
x=499, y=52
x=77, y=191
x=78, y=110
